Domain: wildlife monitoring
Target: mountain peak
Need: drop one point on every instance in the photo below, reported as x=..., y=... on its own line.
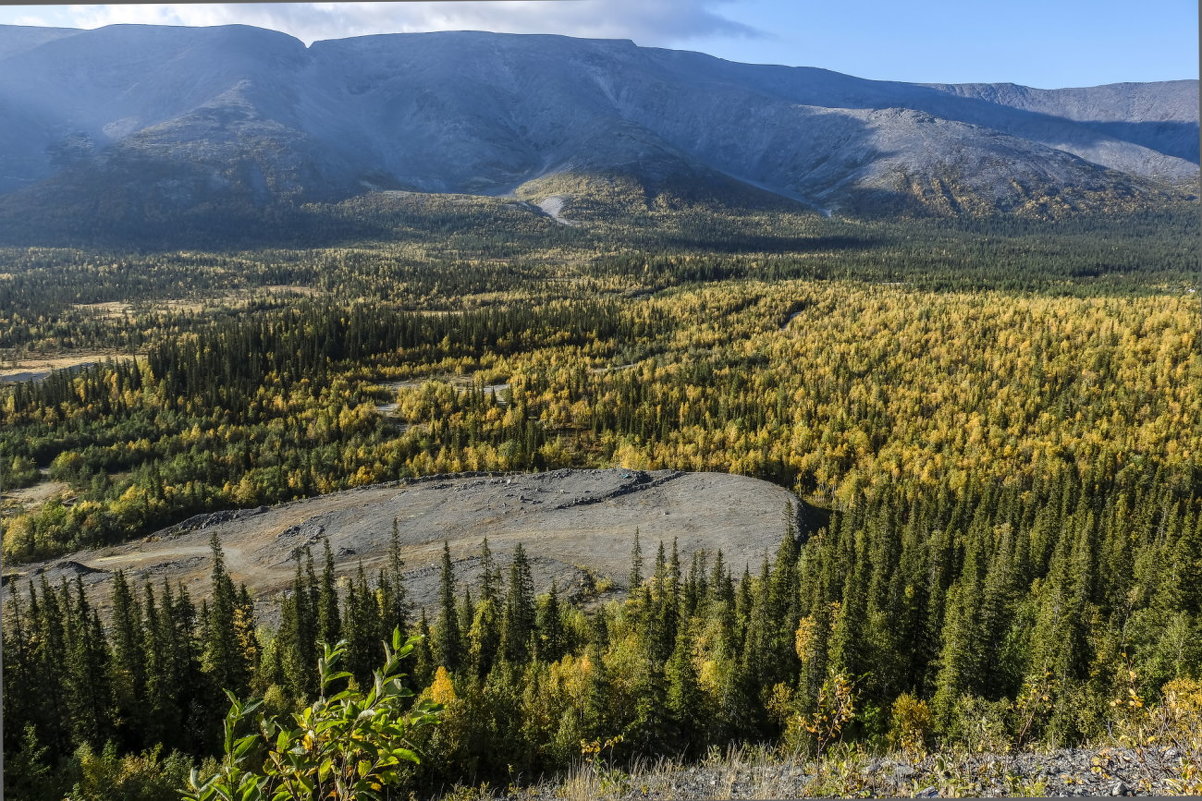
x=200, y=117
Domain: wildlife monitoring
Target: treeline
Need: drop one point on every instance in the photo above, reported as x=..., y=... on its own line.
x=452, y=253
x=1081, y=255
x=1003, y=615
x=257, y=410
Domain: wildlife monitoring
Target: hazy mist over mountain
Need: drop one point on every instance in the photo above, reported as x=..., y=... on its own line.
x=145, y=122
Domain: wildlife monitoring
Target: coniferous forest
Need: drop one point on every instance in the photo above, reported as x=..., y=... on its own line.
x=997, y=422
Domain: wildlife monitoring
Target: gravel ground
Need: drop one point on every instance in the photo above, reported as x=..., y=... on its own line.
x=577, y=526
x=1065, y=772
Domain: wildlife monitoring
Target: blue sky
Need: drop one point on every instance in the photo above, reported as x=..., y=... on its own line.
x=1043, y=43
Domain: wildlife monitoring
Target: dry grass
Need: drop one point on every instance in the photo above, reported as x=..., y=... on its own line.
x=36, y=495
x=33, y=368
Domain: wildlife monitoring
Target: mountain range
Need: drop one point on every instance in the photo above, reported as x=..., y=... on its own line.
x=145, y=125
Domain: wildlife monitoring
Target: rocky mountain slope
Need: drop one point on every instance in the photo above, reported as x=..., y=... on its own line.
x=148, y=123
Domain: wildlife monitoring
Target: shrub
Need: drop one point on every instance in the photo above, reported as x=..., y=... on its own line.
x=911, y=724
x=349, y=745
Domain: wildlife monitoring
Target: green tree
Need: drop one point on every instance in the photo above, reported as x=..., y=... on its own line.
x=329, y=623
x=685, y=701
x=552, y=636
x=448, y=645
x=518, y=616
x=225, y=657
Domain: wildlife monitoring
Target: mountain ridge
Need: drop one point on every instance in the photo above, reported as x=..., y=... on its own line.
x=134, y=123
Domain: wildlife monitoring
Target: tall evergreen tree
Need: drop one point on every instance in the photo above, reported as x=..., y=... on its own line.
x=449, y=643
x=361, y=628
x=552, y=636
x=329, y=624
x=518, y=615
x=635, y=578
x=395, y=598
x=224, y=658
x=128, y=660
x=85, y=667
x=490, y=576
x=684, y=699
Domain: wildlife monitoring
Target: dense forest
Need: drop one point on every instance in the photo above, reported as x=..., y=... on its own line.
x=1002, y=417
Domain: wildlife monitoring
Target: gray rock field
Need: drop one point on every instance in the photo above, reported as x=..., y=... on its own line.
x=577, y=526
x=747, y=774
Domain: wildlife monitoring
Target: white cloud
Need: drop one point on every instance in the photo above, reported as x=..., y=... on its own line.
x=647, y=22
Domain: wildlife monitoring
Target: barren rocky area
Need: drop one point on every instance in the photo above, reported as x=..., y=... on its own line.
x=749, y=774
x=578, y=527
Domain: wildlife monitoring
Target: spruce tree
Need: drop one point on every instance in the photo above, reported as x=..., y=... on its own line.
x=490, y=576
x=424, y=662
x=361, y=627
x=85, y=667
x=684, y=699
x=960, y=666
x=223, y=655
x=396, y=606
x=635, y=578
x=128, y=660
x=552, y=637
x=329, y=623
x=449, y=642
x=518, y=616
x=164, y=714
x=595, y=712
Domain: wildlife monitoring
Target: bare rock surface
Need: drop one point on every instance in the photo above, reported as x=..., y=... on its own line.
x=577, y=526
x=1063, y=772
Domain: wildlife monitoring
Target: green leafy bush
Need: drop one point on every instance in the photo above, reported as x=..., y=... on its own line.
x=348, y=745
